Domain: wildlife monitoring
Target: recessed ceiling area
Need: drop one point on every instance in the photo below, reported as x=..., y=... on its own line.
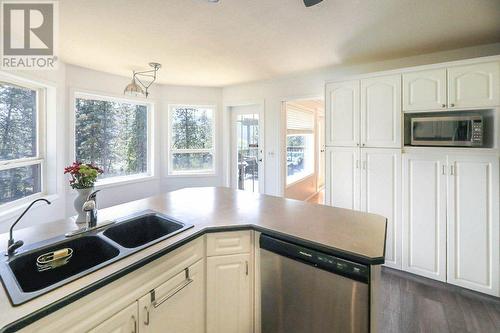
x=236, y=41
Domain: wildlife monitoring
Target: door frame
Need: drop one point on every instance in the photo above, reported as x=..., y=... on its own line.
x=228, y=148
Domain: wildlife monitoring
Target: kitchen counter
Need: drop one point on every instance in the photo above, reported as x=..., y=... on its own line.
x=353, y=235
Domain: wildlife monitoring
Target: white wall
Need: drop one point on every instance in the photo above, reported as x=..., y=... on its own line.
x=69, y=79
x=311, y=84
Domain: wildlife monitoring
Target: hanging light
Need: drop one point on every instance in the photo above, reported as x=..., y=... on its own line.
x=138, y=87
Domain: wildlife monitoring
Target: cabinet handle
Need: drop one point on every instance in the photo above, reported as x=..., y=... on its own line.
x=364, y=165
x=174, y=291
x=146, y=321
x=357, y=164
x=443, y=105
x=246, y=267
x=452, y=105
x=134, y=330
x=444, y=170
x=452, y=170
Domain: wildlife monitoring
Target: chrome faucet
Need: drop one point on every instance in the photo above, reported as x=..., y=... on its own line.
x=12, y=246
x=90, y=207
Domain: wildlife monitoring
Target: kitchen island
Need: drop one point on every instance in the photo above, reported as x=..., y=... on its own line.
x=351, y=235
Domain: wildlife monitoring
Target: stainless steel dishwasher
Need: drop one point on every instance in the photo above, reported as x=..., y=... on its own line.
x=306, y=291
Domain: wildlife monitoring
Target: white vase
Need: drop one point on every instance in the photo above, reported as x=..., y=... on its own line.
x=78, y=204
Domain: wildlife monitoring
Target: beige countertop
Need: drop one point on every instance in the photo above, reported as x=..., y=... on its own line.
x=354, y=235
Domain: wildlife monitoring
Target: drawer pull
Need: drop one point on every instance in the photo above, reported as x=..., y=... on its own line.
x=173, y=292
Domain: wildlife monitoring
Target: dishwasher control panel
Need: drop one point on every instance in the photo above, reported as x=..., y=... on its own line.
x=315, y=258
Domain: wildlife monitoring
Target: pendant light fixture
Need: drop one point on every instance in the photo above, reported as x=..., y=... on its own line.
x=140, y=87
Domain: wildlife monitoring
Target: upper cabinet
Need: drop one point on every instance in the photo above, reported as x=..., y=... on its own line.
x=468, y=86
x=424, y=90
x=342, y=114
x=364, y=113
x=474, y=85
x=381, y=112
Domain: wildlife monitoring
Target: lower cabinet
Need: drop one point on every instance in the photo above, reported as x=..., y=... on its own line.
x=473, y=223
x=229, y=294
x=451, y=219
x=125, y=321
x=424, y=221
x=368, y=179
x=177, y=306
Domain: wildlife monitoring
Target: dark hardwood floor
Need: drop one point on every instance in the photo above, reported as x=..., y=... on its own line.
x=414, y=304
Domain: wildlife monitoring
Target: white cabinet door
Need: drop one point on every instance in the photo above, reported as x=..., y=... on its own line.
x=424, y=90
x=474, y=85
x=424, y=215
x=229, y=306
x=342, y=114
x=381, y=112
x=381, y=194
x=342, y=177
x=178, y=305
x=124, y=321
x=473, y=231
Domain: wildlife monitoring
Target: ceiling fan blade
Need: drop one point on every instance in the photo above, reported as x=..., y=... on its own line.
x=310, y=3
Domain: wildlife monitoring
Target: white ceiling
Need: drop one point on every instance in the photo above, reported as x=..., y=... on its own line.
x=235, y=41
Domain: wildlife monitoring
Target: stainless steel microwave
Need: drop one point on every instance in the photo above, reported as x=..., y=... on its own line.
x=455, y=131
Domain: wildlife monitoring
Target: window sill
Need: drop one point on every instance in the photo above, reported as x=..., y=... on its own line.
x=123, y=180
x=191, y=175
x=14, y=209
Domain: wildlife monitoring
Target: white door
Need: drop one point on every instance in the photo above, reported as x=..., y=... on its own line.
x=474, y=85
x=342, y=177
x=124, y=321
x=424, y=215
x=247, y=152
x=178, y=305
x=381, y=194
x=342, y=114
x=229, y=307
x=473, y=223
x=321, y=152
x=424, y=90
x=381, y=112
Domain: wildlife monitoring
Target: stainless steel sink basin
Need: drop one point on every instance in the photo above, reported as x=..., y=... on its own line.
x=88, y=252
x=91, y=251
x=143, y=230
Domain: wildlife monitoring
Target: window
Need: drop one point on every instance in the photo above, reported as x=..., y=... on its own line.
x=299, y=144
x=21, y=159
x=191, y=139
x=112, y=134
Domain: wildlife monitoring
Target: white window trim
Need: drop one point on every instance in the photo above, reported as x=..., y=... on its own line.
x=117, y=180
x=170, y=151
x=40, y=157
x=298, y=180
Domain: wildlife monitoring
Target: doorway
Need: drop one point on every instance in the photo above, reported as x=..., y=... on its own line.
x=247, y=150
x=304, y=150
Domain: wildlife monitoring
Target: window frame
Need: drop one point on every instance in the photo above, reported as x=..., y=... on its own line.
x=171, y=151
x=116, y=180
x=41, y=149
x=300, y=132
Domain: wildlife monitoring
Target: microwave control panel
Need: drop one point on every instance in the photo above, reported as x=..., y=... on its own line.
x=477, y=132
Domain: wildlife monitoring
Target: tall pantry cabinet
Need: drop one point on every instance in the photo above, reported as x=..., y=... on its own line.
x=363, y=135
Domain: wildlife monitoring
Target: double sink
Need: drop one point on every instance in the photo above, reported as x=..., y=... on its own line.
x=90, y=251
